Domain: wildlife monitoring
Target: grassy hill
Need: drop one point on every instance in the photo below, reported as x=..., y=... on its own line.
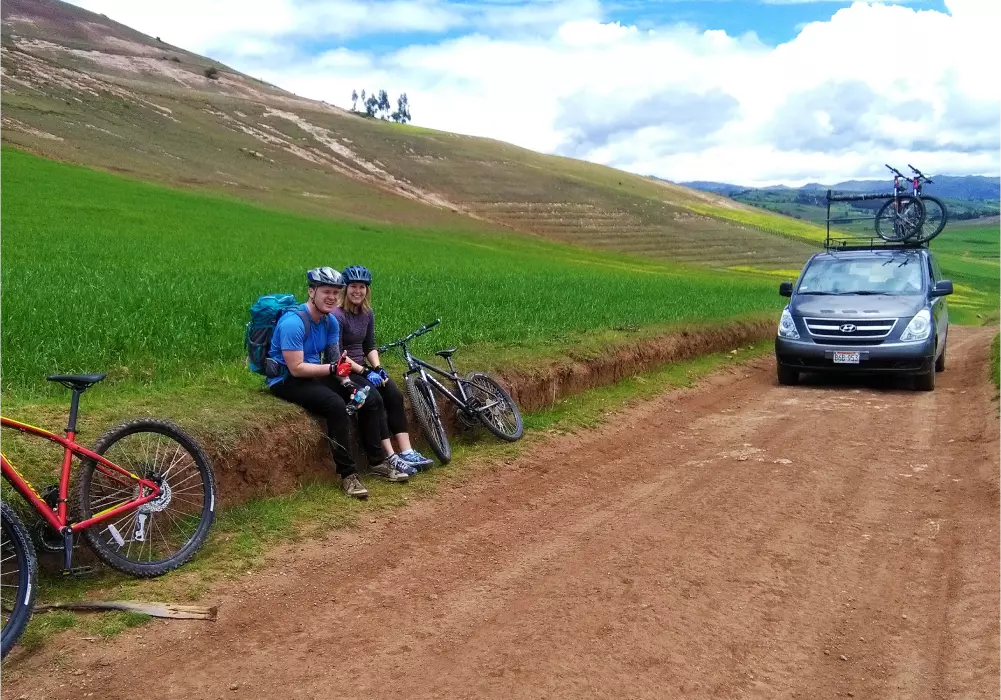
x=81, y=88
x=153, y=285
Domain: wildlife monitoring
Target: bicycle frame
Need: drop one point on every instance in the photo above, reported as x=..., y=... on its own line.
x=59, y=518
x=418, y=366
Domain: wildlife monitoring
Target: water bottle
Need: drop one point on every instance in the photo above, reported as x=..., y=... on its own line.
x=358, y=397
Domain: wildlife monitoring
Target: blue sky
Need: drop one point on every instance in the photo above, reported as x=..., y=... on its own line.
x=756, y=92
x=772, y=22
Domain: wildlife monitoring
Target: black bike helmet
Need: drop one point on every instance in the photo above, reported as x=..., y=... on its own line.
x=357, y=273
x=324, y=276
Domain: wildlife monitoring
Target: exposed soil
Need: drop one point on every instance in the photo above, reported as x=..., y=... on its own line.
x=535, y=390
x=738, y=539
x=280, y=455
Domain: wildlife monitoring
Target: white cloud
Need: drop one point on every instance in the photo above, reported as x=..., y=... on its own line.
x=205, y=26
x=875, y=83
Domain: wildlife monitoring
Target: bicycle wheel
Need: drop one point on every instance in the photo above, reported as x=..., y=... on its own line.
x=17, y=583
x=503, y=418
x=426, y=410
x=164, y=533
x=898, y=225
x=936, y=217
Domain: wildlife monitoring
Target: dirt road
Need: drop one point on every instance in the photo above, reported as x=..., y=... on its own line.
x=736, y=540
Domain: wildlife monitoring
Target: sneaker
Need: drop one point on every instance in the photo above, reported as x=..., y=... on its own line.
x=416, y=459
x=352, y=486
x=402, y=465
x=387, y=470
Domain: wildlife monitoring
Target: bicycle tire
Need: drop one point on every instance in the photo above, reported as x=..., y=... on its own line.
x=936, y=214
x=109, y=549
x=901, y=229
x=423, y=402
x=17, y=542
x=510, y=407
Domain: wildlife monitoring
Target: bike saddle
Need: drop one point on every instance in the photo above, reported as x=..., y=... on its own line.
x=77, y=382
x=446, y=353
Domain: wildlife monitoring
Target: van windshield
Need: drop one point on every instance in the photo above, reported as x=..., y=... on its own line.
x=899, y=274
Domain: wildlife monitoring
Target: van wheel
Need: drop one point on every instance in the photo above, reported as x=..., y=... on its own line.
x=924, y=382
x=940, y=361
x=787, y=376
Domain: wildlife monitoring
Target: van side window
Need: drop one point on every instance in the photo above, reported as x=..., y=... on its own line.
x=931, y=272
x=935, y=268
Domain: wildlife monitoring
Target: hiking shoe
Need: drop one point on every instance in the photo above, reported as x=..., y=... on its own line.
x=401, y=465
x=352, y=486
x=416, y=459
x=388, y=471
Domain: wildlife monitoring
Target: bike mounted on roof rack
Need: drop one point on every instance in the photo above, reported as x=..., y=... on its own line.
x=902, y=221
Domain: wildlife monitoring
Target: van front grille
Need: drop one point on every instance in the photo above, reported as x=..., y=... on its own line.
x=839, y=331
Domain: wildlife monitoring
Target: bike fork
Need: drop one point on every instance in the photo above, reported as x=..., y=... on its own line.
x=419, y=371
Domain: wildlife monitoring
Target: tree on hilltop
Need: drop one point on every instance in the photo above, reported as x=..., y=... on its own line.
x=402, y=113
x=384, y=105
x=377, y=104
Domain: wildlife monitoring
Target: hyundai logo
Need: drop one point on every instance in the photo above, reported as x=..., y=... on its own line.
x=848, y=328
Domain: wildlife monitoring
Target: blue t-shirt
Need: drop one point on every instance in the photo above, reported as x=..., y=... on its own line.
x=290, y=333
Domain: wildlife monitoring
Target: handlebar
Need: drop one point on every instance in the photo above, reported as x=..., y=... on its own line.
x=919, y=173
x=420, y=331
x=896, y=172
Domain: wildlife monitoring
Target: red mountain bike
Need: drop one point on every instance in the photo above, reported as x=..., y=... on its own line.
x=145, y=503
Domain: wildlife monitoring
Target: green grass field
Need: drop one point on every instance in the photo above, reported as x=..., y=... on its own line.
x=105, y=274
x=969, y=253
x=996, y=361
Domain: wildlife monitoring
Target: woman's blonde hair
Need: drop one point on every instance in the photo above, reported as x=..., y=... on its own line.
x=355, y=309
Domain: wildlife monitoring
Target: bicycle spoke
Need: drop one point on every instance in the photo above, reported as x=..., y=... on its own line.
x=175, y=462
x=196, y=504
x=194, y=475
x=144, y=443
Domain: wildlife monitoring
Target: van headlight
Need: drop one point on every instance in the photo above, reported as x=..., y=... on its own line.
x=919, y=328
x=787, y=327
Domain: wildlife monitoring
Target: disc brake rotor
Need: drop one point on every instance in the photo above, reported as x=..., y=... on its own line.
x=160, y=502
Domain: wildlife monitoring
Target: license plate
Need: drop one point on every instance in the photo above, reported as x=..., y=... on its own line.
x=846, y=357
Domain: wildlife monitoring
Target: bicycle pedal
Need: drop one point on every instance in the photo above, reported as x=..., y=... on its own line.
x=78, y=571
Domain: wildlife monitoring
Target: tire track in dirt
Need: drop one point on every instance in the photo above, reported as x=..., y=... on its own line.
x=738, y=539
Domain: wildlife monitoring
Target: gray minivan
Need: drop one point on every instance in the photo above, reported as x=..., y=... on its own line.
x=865, y=310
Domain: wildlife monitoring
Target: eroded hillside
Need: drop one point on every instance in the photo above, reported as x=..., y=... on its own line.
x=80, y=87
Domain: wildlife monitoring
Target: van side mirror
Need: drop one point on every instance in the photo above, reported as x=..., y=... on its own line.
x=942, y=288
x=785, y=289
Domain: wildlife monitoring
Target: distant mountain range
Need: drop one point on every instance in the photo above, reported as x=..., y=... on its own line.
x=970, y=187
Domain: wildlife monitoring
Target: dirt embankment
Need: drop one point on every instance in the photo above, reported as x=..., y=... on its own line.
x=273, y=458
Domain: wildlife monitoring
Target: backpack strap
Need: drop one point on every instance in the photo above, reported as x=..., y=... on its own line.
x=330, y=351
x=307, y=322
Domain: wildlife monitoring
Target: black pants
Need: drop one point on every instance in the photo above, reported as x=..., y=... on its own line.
x=393, y=419
x=326, y=398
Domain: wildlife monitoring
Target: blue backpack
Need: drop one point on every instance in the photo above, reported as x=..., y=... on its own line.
x=264, y=315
